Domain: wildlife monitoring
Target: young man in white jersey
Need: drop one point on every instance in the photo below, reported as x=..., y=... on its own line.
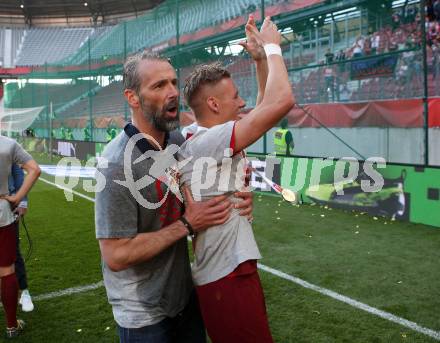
x=224, y=269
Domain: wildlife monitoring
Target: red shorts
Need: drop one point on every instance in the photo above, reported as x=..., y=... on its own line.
x=8, y=249
x=233, y=307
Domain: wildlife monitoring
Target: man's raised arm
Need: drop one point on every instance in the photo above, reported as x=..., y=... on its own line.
x=256, y=51
x=278, y=98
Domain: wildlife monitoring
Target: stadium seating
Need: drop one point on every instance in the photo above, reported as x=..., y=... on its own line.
x=50, y=45
x=36, y=46
x=34, y=94
x=10, y=42
x=2, y=45
x=108, y=101
x=66, y=47
x=159, y=26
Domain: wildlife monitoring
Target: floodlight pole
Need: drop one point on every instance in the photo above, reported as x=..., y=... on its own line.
x=125, y=58
x=177, y=24
x=177, y=46
x=50, y=131
x=125, y=40
x=46, y=95
x=263, y=10
x=425, y=82
x=90, y=90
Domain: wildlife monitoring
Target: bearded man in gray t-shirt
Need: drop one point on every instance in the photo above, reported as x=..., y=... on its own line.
x=11, y=152
x=142, y=234
x=213, y=160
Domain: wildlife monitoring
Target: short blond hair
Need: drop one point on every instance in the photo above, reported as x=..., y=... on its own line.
x=206, y=74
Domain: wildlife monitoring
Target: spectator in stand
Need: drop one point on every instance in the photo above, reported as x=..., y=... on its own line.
x=393, y=44
x=344, y=93
x=436, y=59
x=329, y=56
x=430, y=10
x=367, y=45
x=408, y=56
x=418, y=68
x=340, y=56
x=418, y=19
x=403, y=78
x=361, y=41
x=400, y=36
x=432, y=33
x=419, y=38
x=395, y=20
x=413, y=39
x=357, y=50
x=329, y=83
x=410, y=14
x=375, y=43
x=436, y=10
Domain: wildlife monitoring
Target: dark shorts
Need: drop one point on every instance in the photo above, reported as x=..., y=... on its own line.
x=233, y=307
x=186, y=327
x=8, y=238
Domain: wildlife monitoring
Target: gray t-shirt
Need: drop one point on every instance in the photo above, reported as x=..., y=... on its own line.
x=148, y=292
x=212, y=171
x=10, y=152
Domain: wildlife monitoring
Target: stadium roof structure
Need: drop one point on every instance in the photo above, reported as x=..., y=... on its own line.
x=81, y=11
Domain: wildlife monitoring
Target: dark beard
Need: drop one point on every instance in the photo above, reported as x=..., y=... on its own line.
x=158, y=118
x=163, y=124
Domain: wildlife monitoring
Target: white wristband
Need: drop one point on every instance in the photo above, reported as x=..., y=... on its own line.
x=272, y=49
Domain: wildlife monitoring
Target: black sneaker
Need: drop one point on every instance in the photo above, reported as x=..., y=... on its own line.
x=14, y=332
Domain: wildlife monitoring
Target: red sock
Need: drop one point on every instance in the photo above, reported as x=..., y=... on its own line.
x=9, y=292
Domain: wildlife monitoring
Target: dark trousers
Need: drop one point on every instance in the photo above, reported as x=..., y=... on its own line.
x=186, y=327
x=20, y=269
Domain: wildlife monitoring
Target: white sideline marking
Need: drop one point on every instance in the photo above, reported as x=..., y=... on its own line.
x=69, y=291
x=357, y=304
x=67, y=189
x=352, y=302
x=70, y=171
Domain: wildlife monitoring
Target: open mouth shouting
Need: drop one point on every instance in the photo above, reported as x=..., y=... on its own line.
x=171, y=108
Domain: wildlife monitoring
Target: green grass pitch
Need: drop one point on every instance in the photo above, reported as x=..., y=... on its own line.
x=392, y=266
